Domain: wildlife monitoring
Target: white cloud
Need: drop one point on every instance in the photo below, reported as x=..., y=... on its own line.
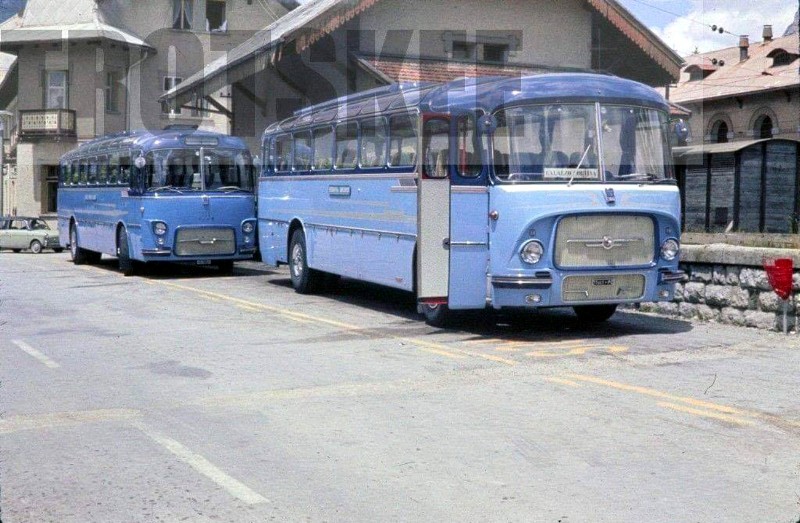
x=736, y=16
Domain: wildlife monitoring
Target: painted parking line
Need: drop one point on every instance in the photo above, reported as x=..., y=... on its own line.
x=705, y=413
x=234, y=487
x=30, y=351
x=13, y=424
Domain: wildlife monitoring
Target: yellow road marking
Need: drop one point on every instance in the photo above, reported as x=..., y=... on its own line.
x=705, y=413
x=434, y=348
x=563, y=381
x=64, y=419
x=553, y=352
x=248, y=308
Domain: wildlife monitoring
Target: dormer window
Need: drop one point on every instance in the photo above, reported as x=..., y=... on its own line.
x=781, y=57
x=699, y=72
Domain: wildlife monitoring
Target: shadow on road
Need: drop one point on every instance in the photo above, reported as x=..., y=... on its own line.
x=187, y=271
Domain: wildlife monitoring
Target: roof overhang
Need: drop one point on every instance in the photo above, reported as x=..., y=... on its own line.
x=8, y=87
x=721, y=148
x=12, y=39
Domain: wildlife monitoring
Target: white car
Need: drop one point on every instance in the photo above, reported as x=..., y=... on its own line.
x=18, y=233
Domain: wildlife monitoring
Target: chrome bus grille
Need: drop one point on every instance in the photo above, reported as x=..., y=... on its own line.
x=602, y=287
x=205, y=242
x=606, y=240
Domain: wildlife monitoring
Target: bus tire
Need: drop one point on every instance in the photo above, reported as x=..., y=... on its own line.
x=127, y=266
x=58, y=250
x=595, y=313
x=79, y=256
x=437, y=315
x=36, y=247
x=304, y=279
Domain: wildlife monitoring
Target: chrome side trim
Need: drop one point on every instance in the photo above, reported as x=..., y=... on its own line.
x=352, y=230
x=155, y=252
x=468, y=189
x=324, y=177
x=404, y=189
x=469, y=244
x=521, y=282
x=671, y=277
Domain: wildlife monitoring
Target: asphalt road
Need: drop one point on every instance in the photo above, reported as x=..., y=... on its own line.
x=182, y=395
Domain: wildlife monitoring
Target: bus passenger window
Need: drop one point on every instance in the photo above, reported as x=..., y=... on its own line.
x=102, y=170
x=84, y=171
x=469, y=156
x=346, y=145
x=125, y=169
x=302, y=151
x=75, y=172
x=437, y=148
x=403, y=141
x=373, y=143
x=113, y=168
x=92, y=171
x=283, y=153
x=323, y=149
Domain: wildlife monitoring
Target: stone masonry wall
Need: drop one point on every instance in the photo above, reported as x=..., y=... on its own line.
x=720, y=289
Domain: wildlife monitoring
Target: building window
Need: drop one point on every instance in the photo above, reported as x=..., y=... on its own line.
x=463, y=51
x=495, y=52
x=182, y=14
x=719, y=131
x=51, y=174
x=112, y=91
x=200, y=107
x=763, y=127
x=56, y=94
x=216, y=19
x=170, y=82
x=782, y=58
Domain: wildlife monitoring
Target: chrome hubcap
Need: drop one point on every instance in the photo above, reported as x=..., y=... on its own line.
x=297, y=260
x=73, y=242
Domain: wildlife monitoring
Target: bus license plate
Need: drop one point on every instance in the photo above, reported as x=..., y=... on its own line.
x=203, y=262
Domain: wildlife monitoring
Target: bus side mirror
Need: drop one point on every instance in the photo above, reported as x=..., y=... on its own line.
x=487, y=124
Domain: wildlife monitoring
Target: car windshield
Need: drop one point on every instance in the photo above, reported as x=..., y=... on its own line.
x=560, y=143
x=180, y=170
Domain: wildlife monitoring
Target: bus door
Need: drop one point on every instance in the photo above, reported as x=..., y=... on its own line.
x=452, y=223
x=469, y=222
x=433, y=211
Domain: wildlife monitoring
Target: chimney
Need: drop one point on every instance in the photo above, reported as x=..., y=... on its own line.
x=767, y=33
x=744, y=45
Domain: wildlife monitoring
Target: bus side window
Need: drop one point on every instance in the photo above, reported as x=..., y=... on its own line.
x=102, y=170
x=373, y=143
x=125, y=170
x=346, y=145
x=113, y=168
x=501, y=142
x=84, y=171
x=323, y=149
x=91, y=171
x=436, y=148
x=283, y=153
x=303, y=151
x=75, y=172
x=468, y=154
x=403, y=141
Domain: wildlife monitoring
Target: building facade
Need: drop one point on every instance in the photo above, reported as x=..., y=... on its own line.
x=86, y=68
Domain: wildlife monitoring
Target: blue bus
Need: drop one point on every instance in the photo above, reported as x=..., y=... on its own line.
x=555, y=190
x=177, y=195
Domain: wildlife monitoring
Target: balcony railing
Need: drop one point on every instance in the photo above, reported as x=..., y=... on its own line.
x=57, y=123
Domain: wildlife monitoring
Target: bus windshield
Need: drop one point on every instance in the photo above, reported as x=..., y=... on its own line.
x=180, y=170
x=560, y=143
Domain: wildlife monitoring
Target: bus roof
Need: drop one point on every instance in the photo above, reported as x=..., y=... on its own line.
x=486, y=93
x=148, y=140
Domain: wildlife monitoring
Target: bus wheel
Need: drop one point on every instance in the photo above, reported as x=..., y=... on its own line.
x=36, y=247
x=437, y=315
x=225, y=266
x=58, y=250
x=595, y=313
x=126, y=265
x=304, y=280
x=79, y=256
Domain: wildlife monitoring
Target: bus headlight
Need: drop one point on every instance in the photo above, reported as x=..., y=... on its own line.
x=248, y=227
x=532, y=252
x=159, y=228
x=670, y=249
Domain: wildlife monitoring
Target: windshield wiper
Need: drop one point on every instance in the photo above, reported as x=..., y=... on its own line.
x=637, y=176
x=580, y=163
x=229, y=188
x=166, y=188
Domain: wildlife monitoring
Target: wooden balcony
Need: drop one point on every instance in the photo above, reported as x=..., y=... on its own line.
x=46, y=123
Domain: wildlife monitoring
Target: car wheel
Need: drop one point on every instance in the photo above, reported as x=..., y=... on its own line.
x=304, y=280
x=79, y=256
x=595, y=313
x=36, y=247
x=125, y=264
x=437, y=315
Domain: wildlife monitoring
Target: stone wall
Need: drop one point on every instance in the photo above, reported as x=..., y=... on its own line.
x=728, y=284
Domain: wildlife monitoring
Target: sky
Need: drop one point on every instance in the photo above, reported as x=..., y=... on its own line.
x=690, y=30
